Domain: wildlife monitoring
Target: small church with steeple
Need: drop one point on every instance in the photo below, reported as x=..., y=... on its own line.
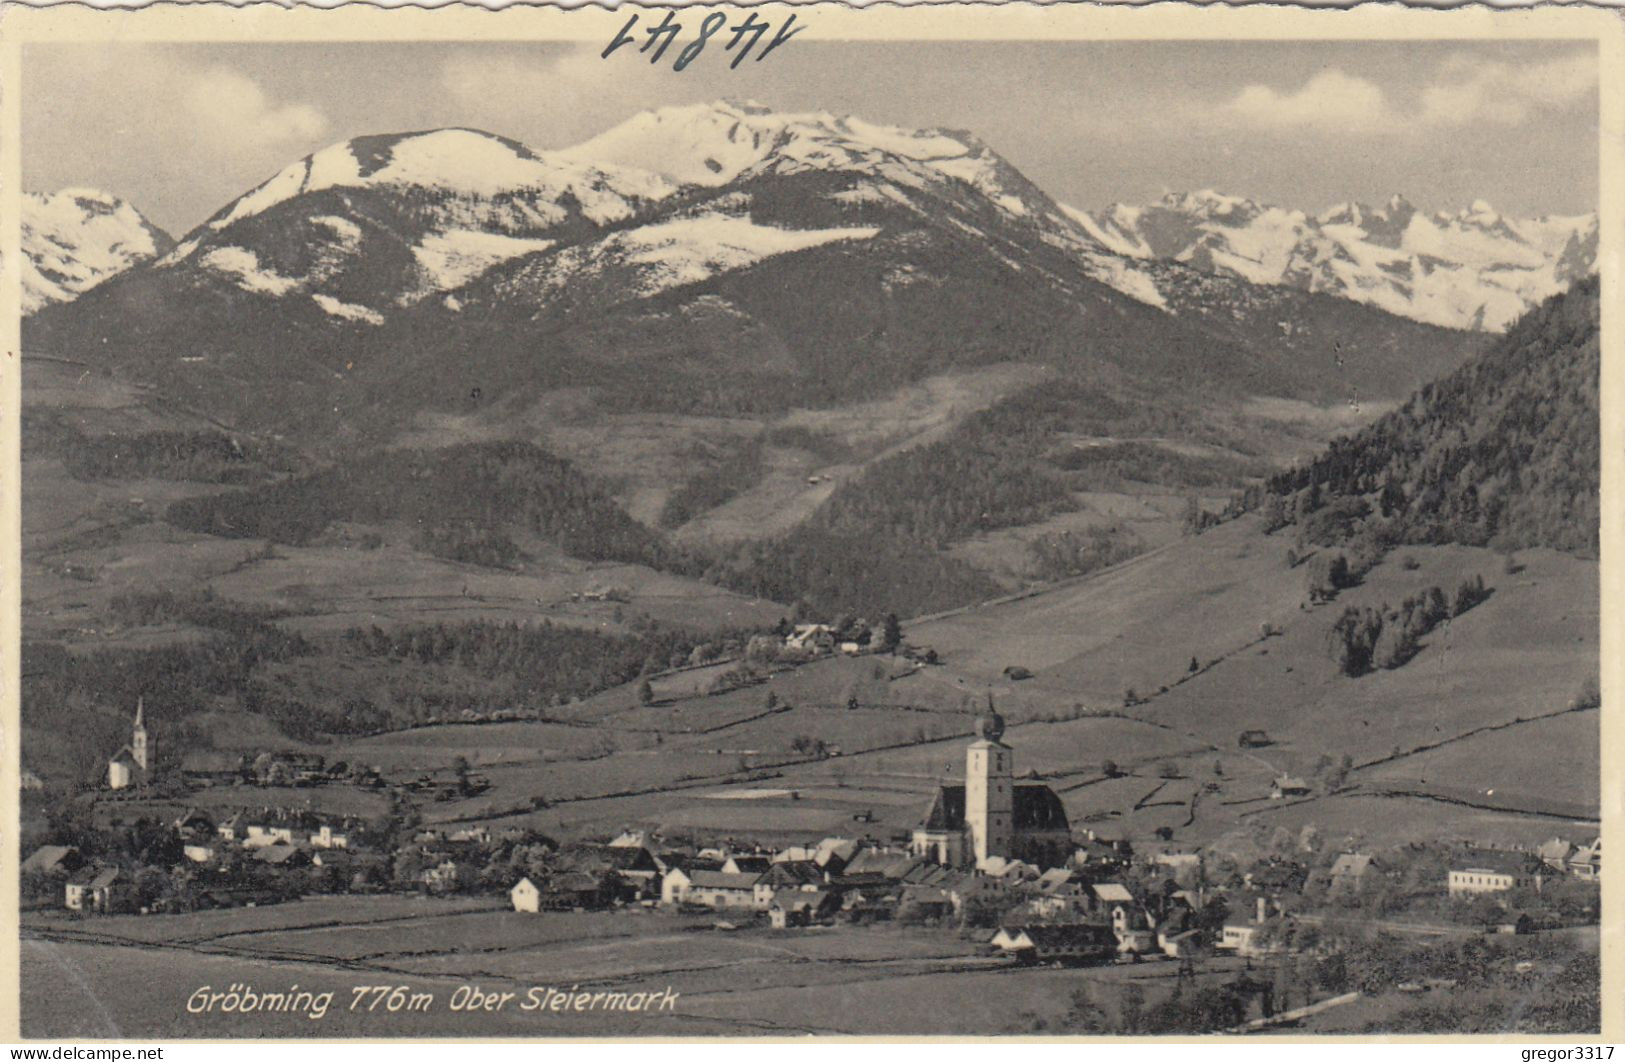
x=132, y=763
x=993, y=815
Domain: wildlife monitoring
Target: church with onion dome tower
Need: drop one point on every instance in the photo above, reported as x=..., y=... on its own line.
x=992, y=815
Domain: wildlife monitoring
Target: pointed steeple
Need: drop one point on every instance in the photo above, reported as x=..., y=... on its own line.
x=138, y=736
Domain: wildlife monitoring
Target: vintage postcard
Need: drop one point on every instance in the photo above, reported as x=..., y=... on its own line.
x=783, y=521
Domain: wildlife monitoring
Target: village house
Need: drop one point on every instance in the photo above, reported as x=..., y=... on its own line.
x=327, y=837
x=929, y=903
x=53, y=859
x=573, y=889
x=1586, y=861
x=230, y=828
x=282, y=854
x=526, y=896
x=754, y=863
x=97, y=890
x=992, y=815
x=781, y=877
x=1483, y=870
x=796, y=907
x=260, y=834
x=1348, y=871
x=811, y=638
x=1252, y=938
x=722, y=891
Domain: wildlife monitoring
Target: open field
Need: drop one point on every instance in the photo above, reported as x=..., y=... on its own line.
x=747, y=982
x=1452, y=713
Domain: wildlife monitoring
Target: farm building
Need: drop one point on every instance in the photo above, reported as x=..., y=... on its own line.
x=992, y=815
x=1073, y=943
x=1287, y=785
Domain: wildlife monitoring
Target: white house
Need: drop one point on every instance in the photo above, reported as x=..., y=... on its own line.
x=1483, y=870
x=674, y=886
x=526, y=896
x=713, y=888
x=327, y=837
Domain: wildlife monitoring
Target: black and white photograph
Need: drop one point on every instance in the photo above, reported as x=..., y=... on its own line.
x=711, y=522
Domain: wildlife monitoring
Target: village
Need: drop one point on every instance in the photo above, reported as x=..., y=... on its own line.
x=992, y=859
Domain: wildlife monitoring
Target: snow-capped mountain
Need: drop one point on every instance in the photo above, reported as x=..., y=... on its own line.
x=74, y=239
x=710, y=257
x=369, y=225
x=1474, y=268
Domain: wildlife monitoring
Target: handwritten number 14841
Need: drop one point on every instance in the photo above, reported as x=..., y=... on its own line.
x=744, y=37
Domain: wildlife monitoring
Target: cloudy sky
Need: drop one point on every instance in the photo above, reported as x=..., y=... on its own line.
x=182, y=130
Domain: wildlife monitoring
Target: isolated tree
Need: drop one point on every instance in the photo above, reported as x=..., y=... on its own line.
x=646, y=693
x=891, y=633
x=772, y=701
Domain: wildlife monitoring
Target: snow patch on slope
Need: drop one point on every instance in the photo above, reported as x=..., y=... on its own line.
x=243, y=267
x=74, y=239
x=451, y=259
x=348, y=311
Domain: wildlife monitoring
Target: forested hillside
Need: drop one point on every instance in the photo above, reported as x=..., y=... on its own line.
x=1505, y=451
x=463, y=502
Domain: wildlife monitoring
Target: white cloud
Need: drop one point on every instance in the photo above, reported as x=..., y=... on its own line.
x=1462, y=90
x=229, y=104
x=1332, y=100
x=1471, y=89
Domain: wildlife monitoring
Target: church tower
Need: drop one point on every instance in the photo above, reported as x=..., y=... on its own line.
x=989, y=790
x=138, y=738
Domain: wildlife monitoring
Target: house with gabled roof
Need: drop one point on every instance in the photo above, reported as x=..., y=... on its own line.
x=798, y=907
x=53, y=859
x=721, y=890
x=98, y=890
x=1348, y=870
x=747, y=863
x=1586, y=861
